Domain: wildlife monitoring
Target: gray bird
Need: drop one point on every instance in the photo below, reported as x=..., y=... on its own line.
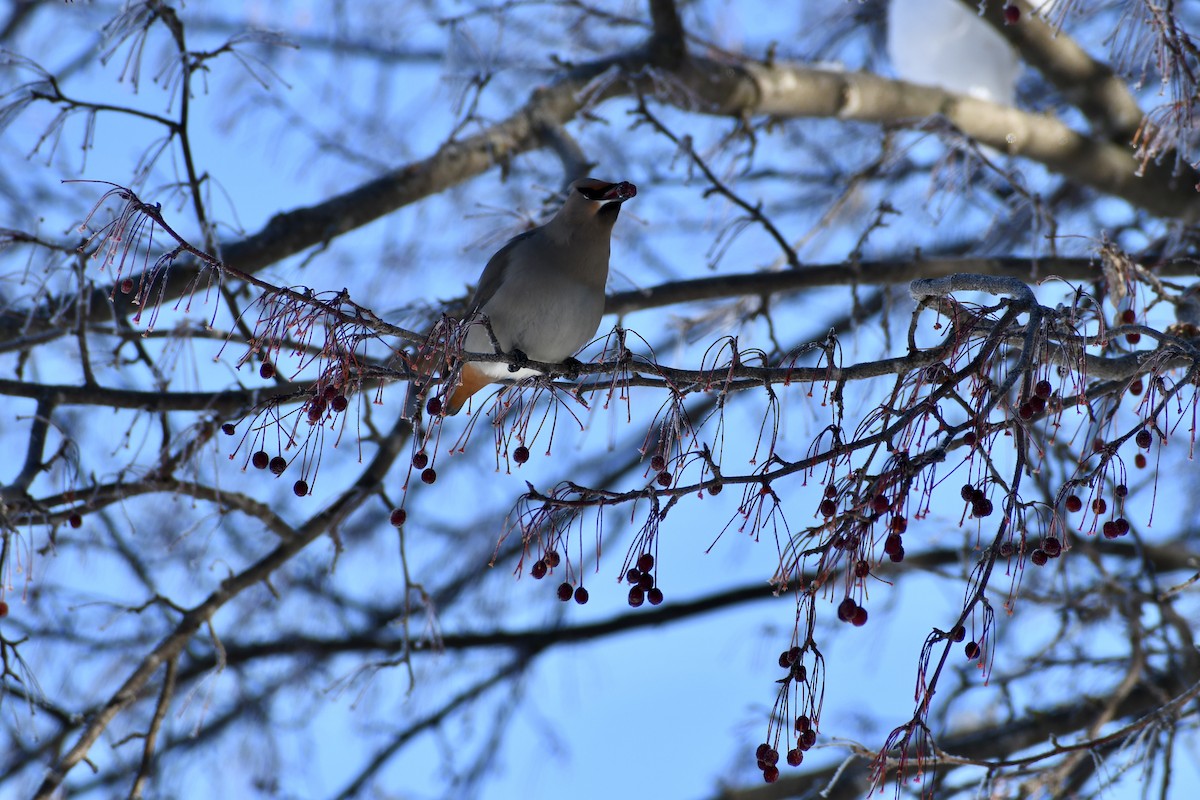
x=542, y=293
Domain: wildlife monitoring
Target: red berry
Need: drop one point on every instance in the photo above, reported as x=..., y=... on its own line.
x=1109, y=529
x=581, y=595
x=277, y=465
x=803, y=723
x=664, y=479
x=75, y=520
x=715, y=489
x=228, y=429
x=645, y=562
x=538, y=570
x=958, y=633
x=127, y=286
x=983, y=507
x=3, y=609
x=897, y=556
x=1007, y=549
x=399, y=515
x=760, y=752
x=434, y=406
x=972, y=650
x=1073, y=504
x=1136, y=387
x=1139, y=461
x=1039, y=557
x=636, y=596
x=1133, y=338
x=315, y=411
x=831, y=491
x=1121, y=490
x=892, y=544
x=967, y=492
x=860, y=617
x=1128, y=316
x=899, y=524
x=1144, y=439
x=800, y=672
x=1037, y=404
x=807, y=739
x=655, y=596
x=862, y=569
x=429, y=475
x=794, y=757
x=846, y=610
x=772, y=757
x=521, y=454
x=1052, y=546
x=553, y=559
x=339, y=403
x=632, y=575
x=1099, y=505
x=565, y=591
x=880, y=504
x=1043, y=389
x=771, y=773
x=260, y=459
x=1122, y=526
x=646, y=582
x=420, y=459
x=828, y=508
x=1012, y=15
x=267, y=370
x=1025, y=411
x=658, y=463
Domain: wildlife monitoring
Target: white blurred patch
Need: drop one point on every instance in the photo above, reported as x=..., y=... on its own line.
x=944, y=43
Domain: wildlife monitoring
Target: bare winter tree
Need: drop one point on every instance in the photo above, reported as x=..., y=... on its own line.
x=905, y=378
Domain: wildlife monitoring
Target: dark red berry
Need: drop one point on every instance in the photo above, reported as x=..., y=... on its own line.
x=899, y=524
x=3, y=609
x=538, y=570
x=127, y=286
x=228, y=429
x=1144, y=439
x=715, y=489
x=636, y=596
x=1109, y=529
x=316, y=410
x=807, y=739
x=958, y=633
x=521, y=454
x=1037, y=404
x=969, y=439
x=658, y=463
x=1052, y=546
x=1007, y=550
x=655, y=596
x=260, y=459
x=398, y=517
x=646, y=582
x=772, y=757
x=553, y=559
x=828, y=508
x=1128, y=316
x=1122, y=526
x=1073, y=504
x=1043, y=389
x=784, y=661
x=277, y=465
x=1025, y=411
x=831, y=491
x=339, y=403
x=1099, y=505
x=1012, y=15
x=581, y=595
x=75, y=520
x=892, y=544
x=800, y=672
x=267, y=370
x=1121, y=490
x=632, y=575
x=429, y=475
x=880, y=504
x=1039, y=557
x=967, y=492
x=664, y=479
x=983, y=507
x=1139, y=461
x=1133, y=338
x=645, y=562
x=897, y=556
x=803, y=723
x=434, y=406
x=565, y=591
x=860, y=617
x=760, y=752
x=972, y=650
x=300, y=487
x=771, y=773
x=1136, y=387
x=794, y=757
x=420, y=459
x=846, y=610
x=862, y=569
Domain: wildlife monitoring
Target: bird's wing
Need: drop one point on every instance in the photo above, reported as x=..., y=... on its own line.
x=496, y=271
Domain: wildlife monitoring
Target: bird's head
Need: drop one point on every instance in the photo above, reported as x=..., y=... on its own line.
x=591, y=199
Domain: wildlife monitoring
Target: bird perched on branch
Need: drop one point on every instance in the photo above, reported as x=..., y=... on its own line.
x=542, y=294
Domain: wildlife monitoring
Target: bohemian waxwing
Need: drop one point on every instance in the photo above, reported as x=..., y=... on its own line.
x=542, y=293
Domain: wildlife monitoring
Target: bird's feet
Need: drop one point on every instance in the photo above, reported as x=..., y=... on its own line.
x=519, y=360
